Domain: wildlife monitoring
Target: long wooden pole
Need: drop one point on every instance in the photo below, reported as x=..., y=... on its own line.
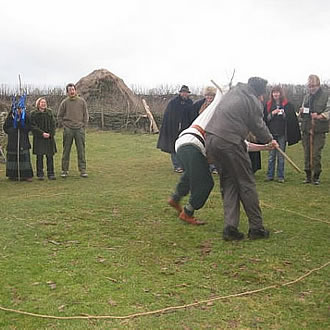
x=3, y=154
x=289, y=159
x=18, y=133
x=311, y=142
x=153, y=124
x=217, y=86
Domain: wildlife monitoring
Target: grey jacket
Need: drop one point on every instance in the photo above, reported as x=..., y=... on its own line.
x=238, y=113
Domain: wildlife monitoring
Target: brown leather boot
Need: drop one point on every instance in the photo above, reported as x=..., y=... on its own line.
x=192, y=220
x=175, y=205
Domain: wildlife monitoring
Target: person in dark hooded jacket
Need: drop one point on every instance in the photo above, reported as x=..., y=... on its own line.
x=18, y=165
x=178, y=116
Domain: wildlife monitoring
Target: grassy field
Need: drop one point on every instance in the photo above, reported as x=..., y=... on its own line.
x=110, y=245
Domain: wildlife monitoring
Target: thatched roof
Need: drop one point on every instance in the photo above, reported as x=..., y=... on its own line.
x=104, y=88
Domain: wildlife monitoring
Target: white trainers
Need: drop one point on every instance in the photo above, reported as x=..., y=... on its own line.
x=84, y=175
x=64, y=174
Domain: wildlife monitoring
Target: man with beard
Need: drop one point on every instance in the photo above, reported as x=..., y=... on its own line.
x=178, y=115
x=73, y=116
x=315, y=115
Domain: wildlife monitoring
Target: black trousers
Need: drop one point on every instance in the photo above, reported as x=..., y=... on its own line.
x=40, y=165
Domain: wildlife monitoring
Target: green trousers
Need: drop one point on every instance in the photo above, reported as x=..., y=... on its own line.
x=196, y=177
x=318, y=144
x=78, y=135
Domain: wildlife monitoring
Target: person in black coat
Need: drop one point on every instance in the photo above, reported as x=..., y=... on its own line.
x=44, y=138
x=17, y=126
x=178, y=116
x=255, y=156
x=281, y=119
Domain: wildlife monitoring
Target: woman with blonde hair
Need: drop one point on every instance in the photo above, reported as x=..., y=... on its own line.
x=44, y=138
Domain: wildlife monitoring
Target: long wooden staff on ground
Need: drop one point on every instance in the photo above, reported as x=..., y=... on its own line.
x=289, y=159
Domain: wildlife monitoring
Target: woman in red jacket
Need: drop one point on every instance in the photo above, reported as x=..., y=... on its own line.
x=281, y=119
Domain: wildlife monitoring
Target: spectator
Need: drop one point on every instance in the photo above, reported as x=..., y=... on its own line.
x=281, y=119
x=44, y=138
x=178, y=116
x=314, y=115
x=17, y=126
x=73, y=116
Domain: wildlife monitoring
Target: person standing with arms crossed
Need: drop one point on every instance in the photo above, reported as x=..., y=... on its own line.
x=73, y=116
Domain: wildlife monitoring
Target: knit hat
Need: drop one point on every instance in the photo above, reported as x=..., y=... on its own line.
x=258, y=84
x=184, y=88
x=209, y=90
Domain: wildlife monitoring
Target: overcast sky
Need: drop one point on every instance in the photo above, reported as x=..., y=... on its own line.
x=149, y=42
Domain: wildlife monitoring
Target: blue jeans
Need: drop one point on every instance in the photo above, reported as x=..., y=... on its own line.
x=175, y=161
x=273, y=154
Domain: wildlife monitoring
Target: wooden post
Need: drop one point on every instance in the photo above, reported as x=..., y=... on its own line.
x=153, y=125
x=20, y=84
x=128, y=111
x=102, y=118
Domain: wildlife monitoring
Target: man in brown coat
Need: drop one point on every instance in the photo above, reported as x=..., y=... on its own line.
x=238, y=113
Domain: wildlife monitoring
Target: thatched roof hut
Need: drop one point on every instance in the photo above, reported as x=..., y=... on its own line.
x=105, y=89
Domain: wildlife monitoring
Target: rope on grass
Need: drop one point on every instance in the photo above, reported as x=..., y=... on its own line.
x=296, y=213
x=167, y=309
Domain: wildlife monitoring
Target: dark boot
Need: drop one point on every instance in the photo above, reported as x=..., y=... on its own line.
x=316, y=178
x=231, y=233
x=308, y=177
x=258, y=233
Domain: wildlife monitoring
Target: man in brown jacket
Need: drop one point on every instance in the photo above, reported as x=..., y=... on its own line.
x=238, y=113
x=73, y=116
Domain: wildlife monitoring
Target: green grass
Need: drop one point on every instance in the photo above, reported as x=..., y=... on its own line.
x=110, y=245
